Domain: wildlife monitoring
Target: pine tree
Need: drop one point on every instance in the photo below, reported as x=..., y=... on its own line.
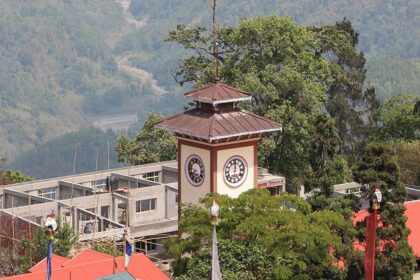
x=378, y=165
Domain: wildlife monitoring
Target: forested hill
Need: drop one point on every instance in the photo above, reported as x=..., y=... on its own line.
x=57, y=70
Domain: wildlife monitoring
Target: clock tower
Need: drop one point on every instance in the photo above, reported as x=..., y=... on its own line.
x=217, y=143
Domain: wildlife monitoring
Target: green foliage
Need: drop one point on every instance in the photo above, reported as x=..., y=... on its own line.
x=108, y=247
x=398, y=119
x=257, y=228
x=379, y=165
x=17, y=176
x=238, y=261
x=408, y=154
x=13, y=177
x=150, y=145
x=35, y=249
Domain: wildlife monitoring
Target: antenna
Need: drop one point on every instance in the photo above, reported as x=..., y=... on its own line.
x=216, y=44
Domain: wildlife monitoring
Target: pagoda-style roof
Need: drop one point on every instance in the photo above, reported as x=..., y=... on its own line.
x=218, y=93
x=209, y=125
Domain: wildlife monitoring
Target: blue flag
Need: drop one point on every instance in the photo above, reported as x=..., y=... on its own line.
x=127, y=253
x=49, y=257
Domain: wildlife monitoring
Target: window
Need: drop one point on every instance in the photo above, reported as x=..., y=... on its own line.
x=152, y=176
x=146, y=205
x=100, y=184
x=48, y=192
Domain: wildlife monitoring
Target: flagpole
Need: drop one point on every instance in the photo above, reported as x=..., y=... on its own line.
x=113, y=255
x=125, y=248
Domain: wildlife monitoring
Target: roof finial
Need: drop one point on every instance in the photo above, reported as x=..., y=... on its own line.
x=216, y=44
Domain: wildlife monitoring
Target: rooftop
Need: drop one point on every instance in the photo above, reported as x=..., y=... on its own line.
x=218, y=93
x=211, y=126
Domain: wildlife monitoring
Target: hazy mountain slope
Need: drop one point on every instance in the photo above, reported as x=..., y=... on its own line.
x=56, y=157
x=57, y=69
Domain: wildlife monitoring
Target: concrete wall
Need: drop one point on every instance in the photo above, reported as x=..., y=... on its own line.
x=171, y=203
x=169, y=176
x=138, y=218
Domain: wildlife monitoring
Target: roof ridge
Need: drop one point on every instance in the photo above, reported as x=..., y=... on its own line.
x=235, y=89
x=197, y=89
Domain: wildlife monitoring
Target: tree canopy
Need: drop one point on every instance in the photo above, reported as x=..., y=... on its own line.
x=263, y=237
x=150, y=144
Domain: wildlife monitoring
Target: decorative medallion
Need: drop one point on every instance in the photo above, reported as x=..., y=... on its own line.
x=194, y=170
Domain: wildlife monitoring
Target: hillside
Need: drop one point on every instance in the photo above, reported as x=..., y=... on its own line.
x=57, y=70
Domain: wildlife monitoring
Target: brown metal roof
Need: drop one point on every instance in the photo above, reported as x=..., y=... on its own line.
x=218, y=93
x=213, y=125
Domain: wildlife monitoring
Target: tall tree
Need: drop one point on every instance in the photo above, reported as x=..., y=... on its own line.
x=379, y=165
x=353, y=107
x=293, y=70
x=150, y=145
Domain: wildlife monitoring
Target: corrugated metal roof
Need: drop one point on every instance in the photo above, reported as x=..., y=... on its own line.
x=214, y=125
x=119, y=276
x=218, y=93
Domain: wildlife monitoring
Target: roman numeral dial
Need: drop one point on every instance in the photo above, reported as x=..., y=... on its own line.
x=194, y=170
x=235, y=171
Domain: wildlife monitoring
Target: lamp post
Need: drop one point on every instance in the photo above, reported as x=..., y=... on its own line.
x=371, y=225
x=215, y=219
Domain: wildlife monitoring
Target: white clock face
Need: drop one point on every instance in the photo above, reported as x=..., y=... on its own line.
x=194, y=170
x=235, y=171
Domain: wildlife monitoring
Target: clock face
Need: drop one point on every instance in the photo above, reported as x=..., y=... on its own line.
x=194, y=170
x=235, y=171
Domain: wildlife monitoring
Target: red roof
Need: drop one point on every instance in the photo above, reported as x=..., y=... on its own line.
x=57, y=262
x=92, y=265
x=218, y=93
x=215, y=125
x=413, y=223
